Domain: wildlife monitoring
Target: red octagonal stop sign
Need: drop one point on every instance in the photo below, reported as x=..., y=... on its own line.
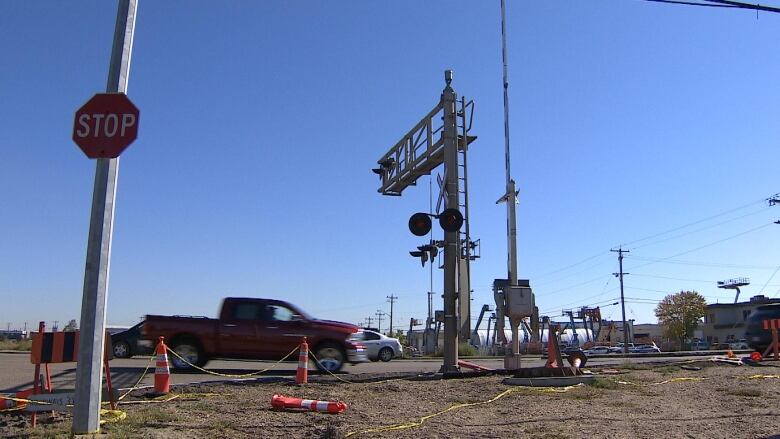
x=105, y=125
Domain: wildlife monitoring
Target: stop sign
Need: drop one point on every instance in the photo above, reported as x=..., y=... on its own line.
x=105, y=125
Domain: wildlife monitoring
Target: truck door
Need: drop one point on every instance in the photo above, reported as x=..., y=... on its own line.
x=282, y=329
x=239, y=330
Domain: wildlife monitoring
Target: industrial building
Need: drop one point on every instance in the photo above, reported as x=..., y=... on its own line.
x=725, y=322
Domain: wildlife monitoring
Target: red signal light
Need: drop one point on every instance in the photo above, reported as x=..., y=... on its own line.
x=420, y=224
x=451, y=220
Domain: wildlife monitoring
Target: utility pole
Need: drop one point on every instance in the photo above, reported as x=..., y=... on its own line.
x=379, y=315
x=392, y=300
x=368, y=319
x=620, y=252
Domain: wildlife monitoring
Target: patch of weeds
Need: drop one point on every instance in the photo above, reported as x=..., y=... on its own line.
x=221, y=426
x=604, y=383
x=54, y=430
x=666, y=370
x=541, y=432
x=200, y=406
x=634, y=366
x=129, y=426
x=750, y=393
x=582, y=393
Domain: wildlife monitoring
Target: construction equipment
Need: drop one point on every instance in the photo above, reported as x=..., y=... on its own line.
x=474, y=336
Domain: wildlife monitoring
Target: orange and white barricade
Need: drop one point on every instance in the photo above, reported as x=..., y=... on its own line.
x=162, y=370
x=302, y=374
x=8, y=401
x=286, y=402
x=61, y=347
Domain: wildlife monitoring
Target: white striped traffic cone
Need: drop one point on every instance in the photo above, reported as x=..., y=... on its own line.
x=302, y=374
x=286, y=402
x=7, y=403
x=162, y=371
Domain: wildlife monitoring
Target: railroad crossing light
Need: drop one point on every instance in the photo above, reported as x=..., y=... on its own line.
x=420, y=254
x=451, y=220
x=420, y=224
x=425, y=252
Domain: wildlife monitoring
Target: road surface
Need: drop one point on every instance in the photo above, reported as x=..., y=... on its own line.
x=16, y=371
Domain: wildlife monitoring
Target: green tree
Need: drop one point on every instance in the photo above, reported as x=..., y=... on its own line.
x=71, y=326
x=680, y=313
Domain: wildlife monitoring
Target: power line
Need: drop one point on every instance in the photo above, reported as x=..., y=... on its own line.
x=674, y=229
x=680, y=2
x=708, y=245
x=701, y=229
x=703, y=264
x=720, y=4
x=571, y=266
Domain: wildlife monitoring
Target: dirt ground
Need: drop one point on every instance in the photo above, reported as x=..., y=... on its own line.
x=647, y=401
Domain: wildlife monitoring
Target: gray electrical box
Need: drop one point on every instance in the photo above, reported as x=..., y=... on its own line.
x=519, y=301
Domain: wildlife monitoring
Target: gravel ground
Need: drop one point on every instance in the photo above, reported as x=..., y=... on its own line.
x=718, y=401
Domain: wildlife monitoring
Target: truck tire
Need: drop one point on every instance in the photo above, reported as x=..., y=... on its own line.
x=189, y=349
x=330, y=356
x=122, y=350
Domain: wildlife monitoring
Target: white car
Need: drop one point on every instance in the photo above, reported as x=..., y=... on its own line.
x=602, y=350
x=379, y=346
x=645, y=349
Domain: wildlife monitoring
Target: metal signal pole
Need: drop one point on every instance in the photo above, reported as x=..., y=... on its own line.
x=620, y=252
x=89, y=369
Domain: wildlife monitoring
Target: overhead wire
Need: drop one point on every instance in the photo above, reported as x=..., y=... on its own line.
x=674, y=229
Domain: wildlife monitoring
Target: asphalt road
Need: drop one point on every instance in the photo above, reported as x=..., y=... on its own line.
x=16, y=371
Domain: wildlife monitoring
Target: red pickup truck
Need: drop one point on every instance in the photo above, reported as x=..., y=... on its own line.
x=262, y=329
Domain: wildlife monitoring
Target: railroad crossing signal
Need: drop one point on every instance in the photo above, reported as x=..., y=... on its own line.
x=451, y=220
x=420, y=224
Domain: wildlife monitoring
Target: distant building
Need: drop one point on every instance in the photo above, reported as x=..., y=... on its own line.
x=13, y=334
x=725, y=322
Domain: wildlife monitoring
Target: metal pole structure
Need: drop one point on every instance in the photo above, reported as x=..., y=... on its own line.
x=392, y=299
x=464, y=261
x=451, y=245
x=89, y=370
x=511, y=224
x=620, y=274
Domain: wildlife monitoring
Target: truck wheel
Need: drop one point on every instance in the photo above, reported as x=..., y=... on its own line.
x=331, y=357
x=189, y=350
x=386, y=354
x=121, y=349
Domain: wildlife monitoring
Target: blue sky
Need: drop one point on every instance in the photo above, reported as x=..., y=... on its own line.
x=261, y=121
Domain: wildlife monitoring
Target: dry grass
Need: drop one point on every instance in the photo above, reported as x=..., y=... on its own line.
x=15, y=345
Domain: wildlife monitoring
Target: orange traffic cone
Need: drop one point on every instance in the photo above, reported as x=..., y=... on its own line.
x=8, y=400
x=286, y=402
x=302, y=375
x=162, y=371
x=730, y=354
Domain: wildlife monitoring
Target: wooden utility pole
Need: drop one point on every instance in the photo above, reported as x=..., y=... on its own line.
x=620, y=252
x=392, y=300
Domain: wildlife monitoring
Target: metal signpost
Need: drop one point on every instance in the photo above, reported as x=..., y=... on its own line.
x=102, y=131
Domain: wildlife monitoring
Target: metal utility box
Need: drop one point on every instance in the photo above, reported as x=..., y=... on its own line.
x=519, y=301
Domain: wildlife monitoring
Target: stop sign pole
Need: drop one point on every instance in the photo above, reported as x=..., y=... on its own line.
x=89, y=372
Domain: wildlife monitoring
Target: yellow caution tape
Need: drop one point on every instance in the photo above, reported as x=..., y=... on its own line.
x=111, y=416
x=758, y=377
x=230, y=375
x=663, y=382
x=462, y=405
